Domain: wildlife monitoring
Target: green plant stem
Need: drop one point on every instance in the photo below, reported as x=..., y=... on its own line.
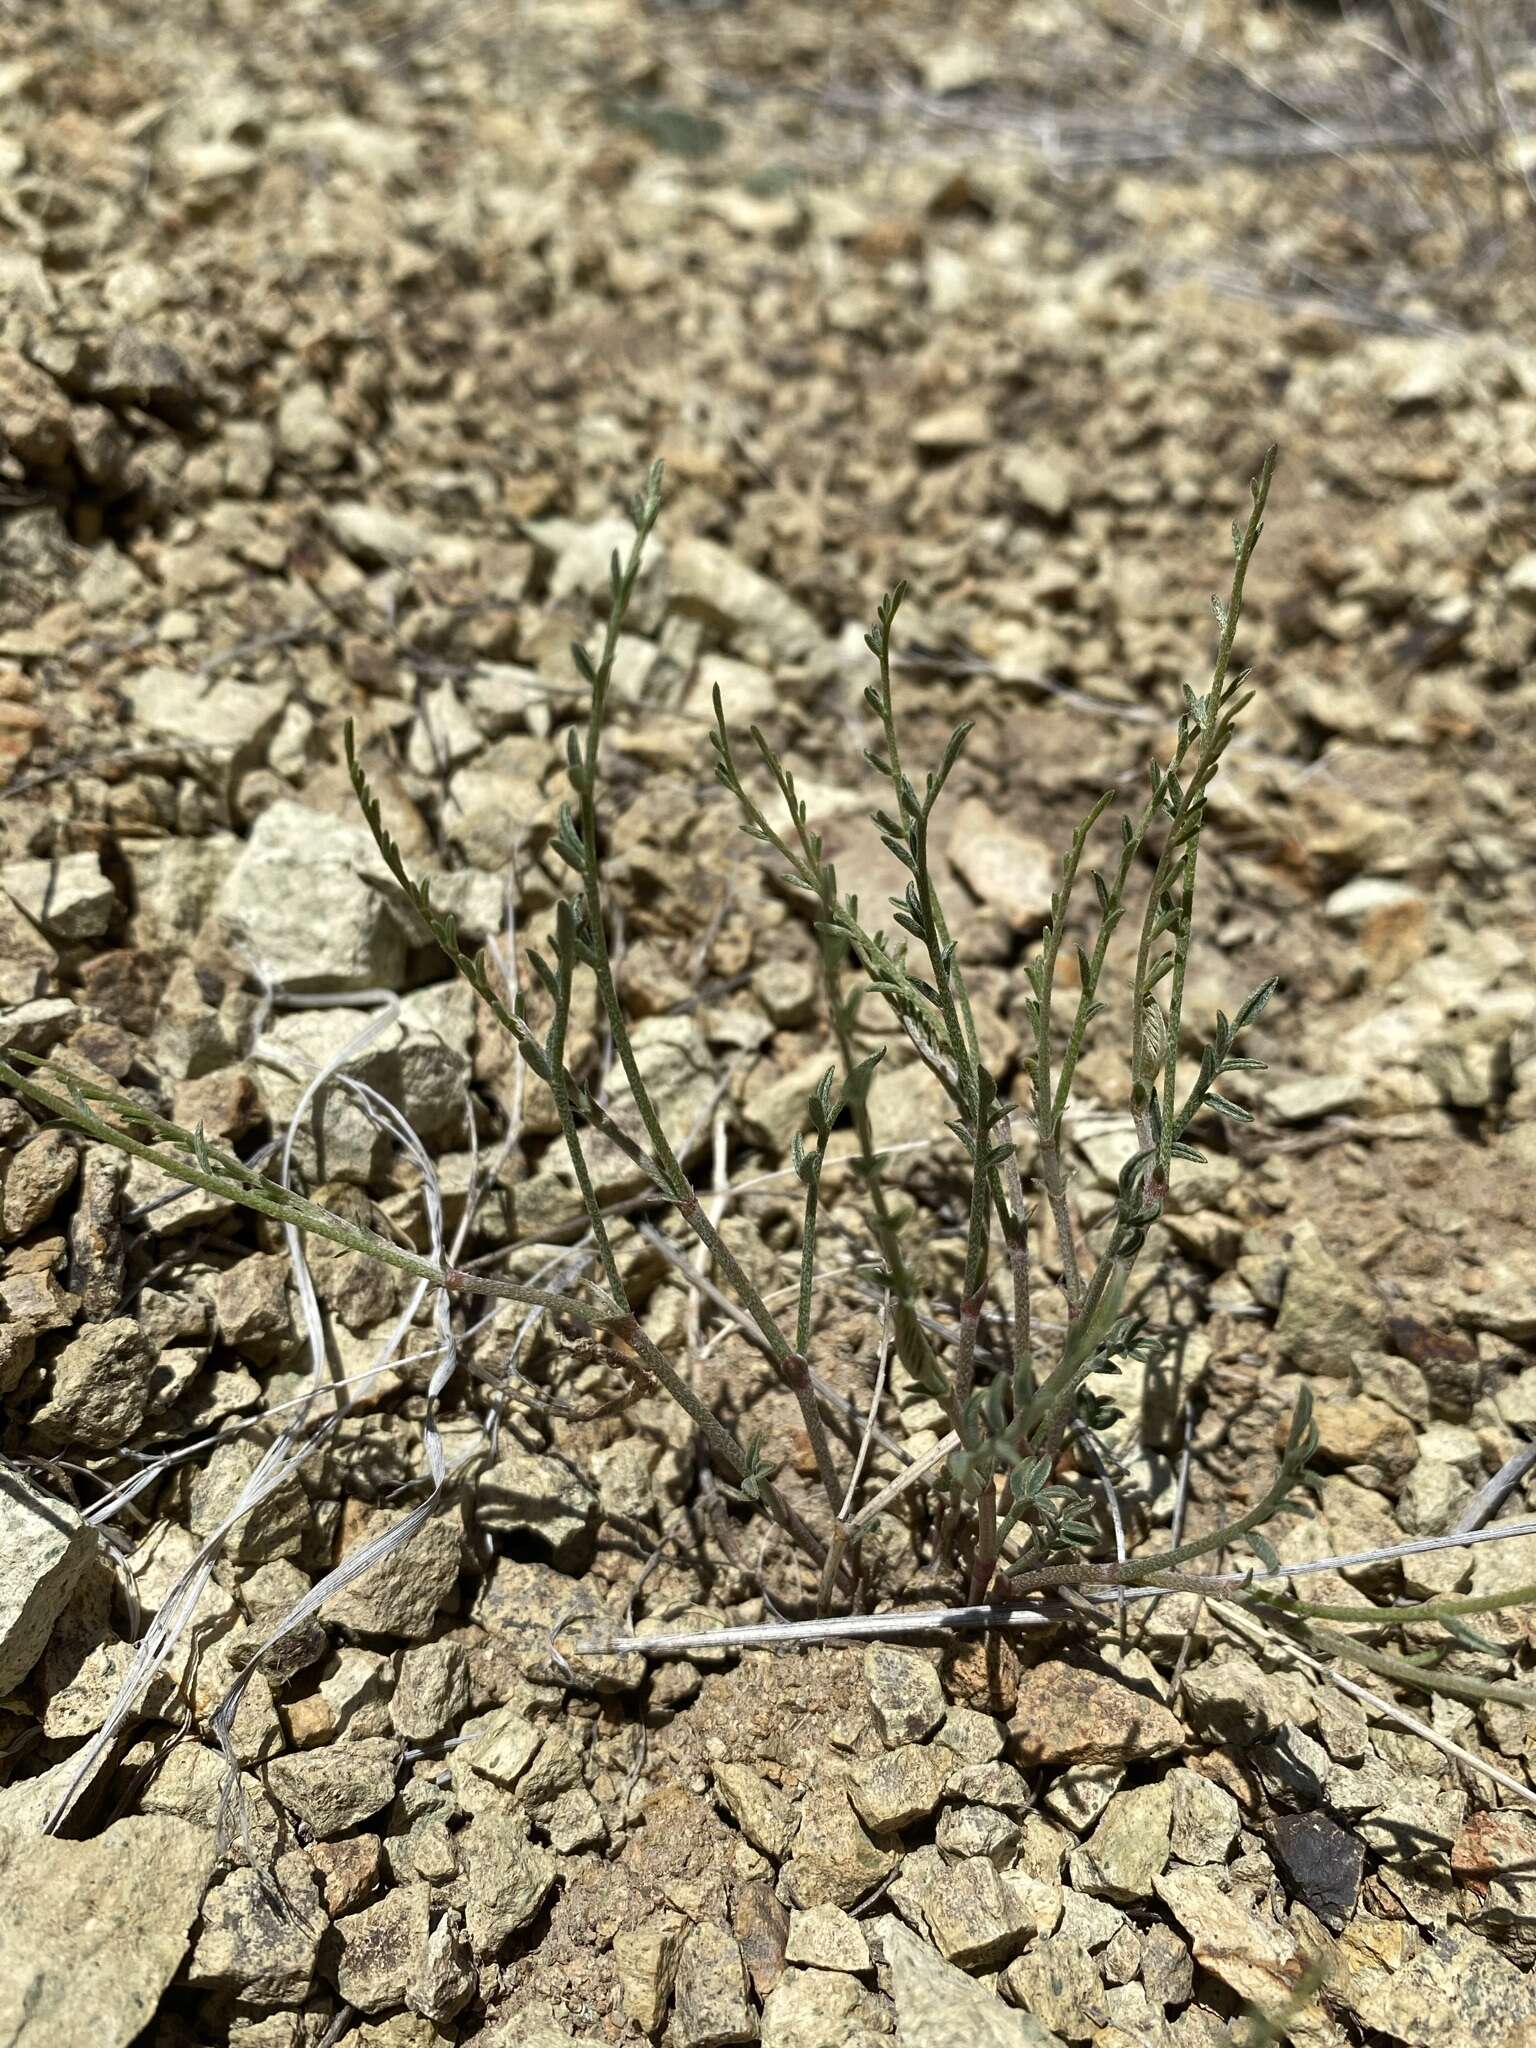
x=1458, y=1685
x=1050, y=1104
x=1450, y=1609
x=974, y=1290
x=1168, y=1130
x=796, y=1367
x=791, y=1366
x=837, y=929
x=1140, y=1571
x=1213, y=731
x=598, y=1223
x=253, y=1191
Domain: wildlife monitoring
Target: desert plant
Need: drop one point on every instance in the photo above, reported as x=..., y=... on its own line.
x=1015, y=1525
x=1009, y=1522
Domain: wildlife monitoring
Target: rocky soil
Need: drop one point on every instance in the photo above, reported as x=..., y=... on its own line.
x=331, y=343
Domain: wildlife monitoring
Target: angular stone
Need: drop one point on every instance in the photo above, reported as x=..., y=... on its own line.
x=498, y=801
x=574, y=1822
x=509, y=1879
x=1313, y=1096
x=938, y=2006
x=431, y=1695
x=973, y=1738
x=250, y=1300
x=1247, y=1952
x=1328, y=1311
x=335, y=1139
x=1129, y=1847
x=826, y=1938
x=526, y=1495
x=28, y=962
x=973, y=1916
x=761, y=1926
x=447, y=1980
x=1010, y=871
x=1230, y=1699
x=174, y=883
x=1205, y=1818
x=32, y=1179
x=348, y=1871
x=681, y=1076
x=647, y=1963
x=965, y=1831
x=91, y=1933
x=36, y=1027
x=401, y=1593
x=499, y=1747
x=891, y=1791
x=789, y=990
x=236, y=719
x=66, y=898
x=1058, y=1983
x=993, y=1783
x=817, y=2008
x=1367, y=1433
x=954, y=429
x=1321, y=1862
x=99, y=1388
x=834, y=1861
x=337, y=1787
x=904, y=1693
x=44, y=1547
x=711, y=583
x=97, y=1249
x=275, y=1527
x=298, y=897
x=1167, y=1968
x=1068, y=1715
x=1293, y=1770
x=762, y=1812
x=1042, y=479
x=1081, y=1794
x=710, y=2007
x=1459, y=1992
x=373, y=535
x=309, y=432
x=1093, y=1922
x=382, y=1955
x=261, y=1934
x=34, y=412
x=521, y=1601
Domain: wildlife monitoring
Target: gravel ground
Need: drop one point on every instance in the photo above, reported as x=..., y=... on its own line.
x=332, y=342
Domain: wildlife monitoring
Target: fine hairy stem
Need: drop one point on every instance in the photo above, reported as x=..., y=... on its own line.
x=1015, y=1524
x=190, y=1158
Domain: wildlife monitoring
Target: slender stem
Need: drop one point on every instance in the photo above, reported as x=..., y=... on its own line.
x=1159, y=1171
x=808, y=1250
x=1054, y=1184
x=942, y=973
x=253, y=1191
x=1451, y=1609
x=565, y=956
x=717, y=1437
x=1213, y=732
x=974, y=1294
x=984, y=1560
x=796, y=1372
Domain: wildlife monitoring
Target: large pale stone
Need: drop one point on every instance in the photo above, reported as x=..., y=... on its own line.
x=91, y=1933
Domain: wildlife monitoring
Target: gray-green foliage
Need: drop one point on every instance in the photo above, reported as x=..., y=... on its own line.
x=1010, y=1427
x=1008, y=1521
x=1013, y=1523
